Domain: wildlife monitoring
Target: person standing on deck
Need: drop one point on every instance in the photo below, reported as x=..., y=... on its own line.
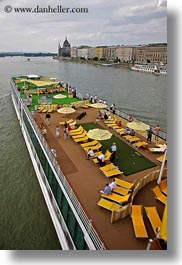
x=53, y=151
x=57, y=131
x=149, y=133
x=48, y=117
x=113, y=150
x=157, y=130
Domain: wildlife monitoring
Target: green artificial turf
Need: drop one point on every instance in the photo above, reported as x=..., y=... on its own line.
x=127, y=159
x=35, y=97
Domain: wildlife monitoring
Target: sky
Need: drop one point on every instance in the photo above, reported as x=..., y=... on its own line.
x=106, y=22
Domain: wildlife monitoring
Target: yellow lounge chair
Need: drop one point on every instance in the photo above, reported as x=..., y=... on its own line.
x=107, y=157
x=89, y=144
x=138, y=222
x=111, y=206
x=124, y=184
x=116, y=198
x=153, y=216
x=77, y=133
x=133, y=139
x=159, y=195
x=110, y=121
x=112, y=173
x=69, y=121
x=110, y=166
x=81, y=139
x=111, y=125
x=160, y=149
x=141, y=144
x=51, y=109
x=121, y=190
x=161, y=158
x=163, y=186
x=45, y=109
x=83, y=134
x=96, y=155
x=73, y=132
x=94, y=148
x=121, y=131
x=77, y=130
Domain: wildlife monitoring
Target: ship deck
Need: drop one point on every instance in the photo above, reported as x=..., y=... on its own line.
x=87, y=180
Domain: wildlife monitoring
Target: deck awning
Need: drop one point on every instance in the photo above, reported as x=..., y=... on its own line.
x=39, y=83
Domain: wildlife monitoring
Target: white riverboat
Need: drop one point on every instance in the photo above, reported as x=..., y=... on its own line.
x=150, y=68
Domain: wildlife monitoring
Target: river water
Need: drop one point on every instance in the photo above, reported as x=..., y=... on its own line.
x=24, y=219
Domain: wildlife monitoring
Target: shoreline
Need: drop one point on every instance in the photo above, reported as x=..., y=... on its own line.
x=126, y=65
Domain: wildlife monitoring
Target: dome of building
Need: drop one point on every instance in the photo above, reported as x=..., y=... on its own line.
x=66, y=43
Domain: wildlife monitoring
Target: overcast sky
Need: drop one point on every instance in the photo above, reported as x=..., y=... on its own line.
x=108, y=22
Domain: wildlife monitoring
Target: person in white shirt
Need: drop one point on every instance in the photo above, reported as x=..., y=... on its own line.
x=53, y=151
x=113, y=150
x=90, y=153
x=101, y=158
x=112, y=185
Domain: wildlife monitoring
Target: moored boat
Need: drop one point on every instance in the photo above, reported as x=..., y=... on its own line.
x=150, y=68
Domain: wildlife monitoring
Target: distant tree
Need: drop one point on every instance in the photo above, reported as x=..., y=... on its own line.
x=102, y=59
x=95, y=58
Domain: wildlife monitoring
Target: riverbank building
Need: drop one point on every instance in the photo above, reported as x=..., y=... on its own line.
x=64, y=51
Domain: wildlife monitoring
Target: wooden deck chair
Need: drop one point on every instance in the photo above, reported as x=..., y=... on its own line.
x=125, y=184
x=81, y=139
x=116, y=198
x=112, y=173
x=108, y=167
x=121, y=190
x=163, y=186
x=159, y=195
x=89, y=144
x=161, y=158
x=111, y=206
x=83, y=134
x=153, y=217
x=94, y=148
x=140, y=144
x=138, y=222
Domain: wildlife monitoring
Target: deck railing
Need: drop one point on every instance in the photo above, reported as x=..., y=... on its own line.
x=86, y=224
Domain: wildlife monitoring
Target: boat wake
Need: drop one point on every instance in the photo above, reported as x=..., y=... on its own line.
x=4, y=96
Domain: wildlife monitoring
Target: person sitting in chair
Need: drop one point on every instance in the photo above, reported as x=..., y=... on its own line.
x=107, y=190
x=90, y=153
x=132, y=133
x=101, y=158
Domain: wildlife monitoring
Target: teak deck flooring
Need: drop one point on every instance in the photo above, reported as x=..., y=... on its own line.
x=87, y=180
